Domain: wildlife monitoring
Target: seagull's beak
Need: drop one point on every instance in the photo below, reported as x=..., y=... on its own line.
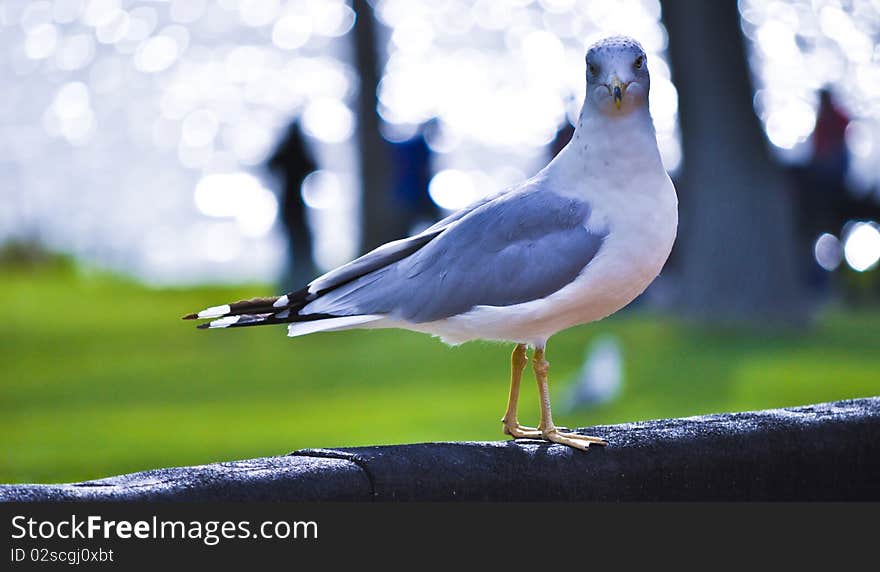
x=617, y=90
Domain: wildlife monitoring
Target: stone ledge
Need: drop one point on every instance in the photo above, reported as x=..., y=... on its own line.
x=829, y=451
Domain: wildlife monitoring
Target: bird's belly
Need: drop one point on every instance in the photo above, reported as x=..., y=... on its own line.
x=609, y=283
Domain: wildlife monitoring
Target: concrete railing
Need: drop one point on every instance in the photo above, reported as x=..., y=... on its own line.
x=829, y=451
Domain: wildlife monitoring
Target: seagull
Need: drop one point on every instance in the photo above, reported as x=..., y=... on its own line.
x=601, y=375
x=573, y=244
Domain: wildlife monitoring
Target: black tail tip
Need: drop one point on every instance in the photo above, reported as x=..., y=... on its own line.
x=190, y=317
x=204, y=326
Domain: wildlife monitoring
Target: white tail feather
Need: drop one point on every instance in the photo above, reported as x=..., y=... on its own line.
x=215, y=311
x=329, y=324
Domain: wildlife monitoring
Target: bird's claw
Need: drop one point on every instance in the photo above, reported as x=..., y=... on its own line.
x=568, y=439
x=575, y=440
x=518, y=431
x=553, y=435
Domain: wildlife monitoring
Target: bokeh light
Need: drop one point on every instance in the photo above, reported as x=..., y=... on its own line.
x=503, y=77
x=163, y=114
x=797, y=47
x=827, y=251
x=321, y=189
x=134, y=103
x=862, y=246
x=452, y=189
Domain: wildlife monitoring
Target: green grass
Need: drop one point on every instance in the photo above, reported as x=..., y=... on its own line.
x=99, y=377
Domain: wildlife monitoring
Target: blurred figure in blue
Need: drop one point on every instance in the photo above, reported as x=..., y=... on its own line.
x=291, y=163
x=411, y=173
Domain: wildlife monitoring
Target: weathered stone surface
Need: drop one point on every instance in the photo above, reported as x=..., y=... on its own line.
x=821, y=452
x=288, y=478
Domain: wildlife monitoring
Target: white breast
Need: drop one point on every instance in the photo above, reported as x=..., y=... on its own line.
x=641, y=230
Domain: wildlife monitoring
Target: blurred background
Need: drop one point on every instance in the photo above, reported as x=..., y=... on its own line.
x=158, y=157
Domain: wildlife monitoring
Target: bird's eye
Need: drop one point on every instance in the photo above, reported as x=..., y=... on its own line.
x=640, y=61
x=594, y=69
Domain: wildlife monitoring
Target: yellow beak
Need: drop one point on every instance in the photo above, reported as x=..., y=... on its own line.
x=617, y=90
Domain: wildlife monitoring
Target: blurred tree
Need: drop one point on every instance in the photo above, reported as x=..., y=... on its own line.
x=737, y=249
x=379, y=222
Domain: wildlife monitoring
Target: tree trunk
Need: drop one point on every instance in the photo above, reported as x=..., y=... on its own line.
x=378, y=215
x=737, y=249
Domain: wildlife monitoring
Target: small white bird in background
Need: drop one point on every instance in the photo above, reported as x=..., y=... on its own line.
x=601, y=376
x=573, y=244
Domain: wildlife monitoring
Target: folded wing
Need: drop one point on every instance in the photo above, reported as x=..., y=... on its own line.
x=520, y=247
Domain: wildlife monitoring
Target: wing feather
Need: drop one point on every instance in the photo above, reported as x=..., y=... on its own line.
x=518, y=248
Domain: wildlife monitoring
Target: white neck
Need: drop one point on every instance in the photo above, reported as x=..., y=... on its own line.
x=615, y=145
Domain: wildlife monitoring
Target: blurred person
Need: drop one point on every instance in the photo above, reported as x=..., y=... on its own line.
x=829, y=142
x=291, y=162
x=828, y=165
x=411, y=173
x=821, y=184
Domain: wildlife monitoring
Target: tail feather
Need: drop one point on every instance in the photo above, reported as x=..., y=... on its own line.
x=252, y=306
x=298, y=326
x=329, y=324
x=288, y=308
x=283, y=309
x=265, y=305
x=275, y=310
x=239, y=321
x=245, y=320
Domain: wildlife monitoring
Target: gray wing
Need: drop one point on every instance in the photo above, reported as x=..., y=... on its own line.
x=389, y=253
x=519, y=247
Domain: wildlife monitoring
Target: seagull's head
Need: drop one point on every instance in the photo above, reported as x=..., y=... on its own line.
x=617, y=76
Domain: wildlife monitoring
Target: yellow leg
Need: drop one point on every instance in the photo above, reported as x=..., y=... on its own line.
x=547, y=429
x=518, y=361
